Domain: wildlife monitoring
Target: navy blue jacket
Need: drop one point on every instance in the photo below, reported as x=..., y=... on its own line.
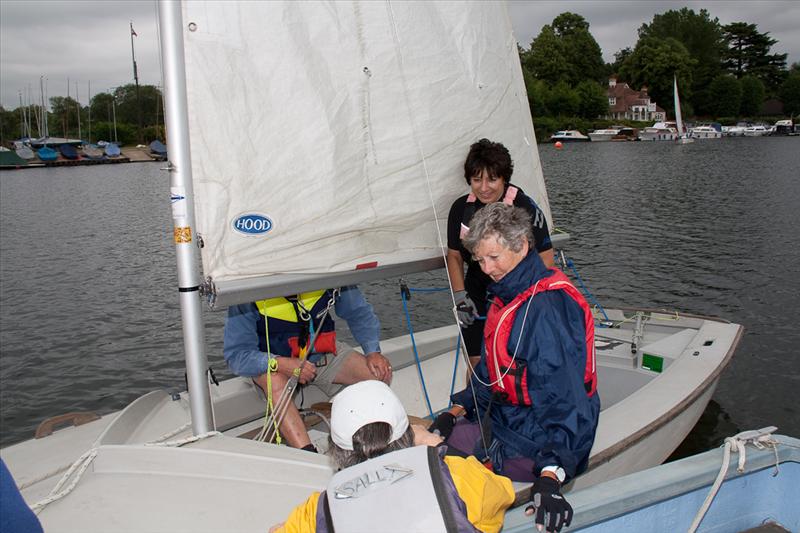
x=559, y=428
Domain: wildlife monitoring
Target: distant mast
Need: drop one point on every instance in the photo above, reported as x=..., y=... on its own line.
x=136, y=80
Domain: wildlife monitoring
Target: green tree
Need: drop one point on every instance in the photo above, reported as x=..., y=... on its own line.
x=752, y=96
x=653, y=63
x=727, y=94
x=537, y=94
x=64, y=116
x=593, y=99
x=790, y=93
x=128, y=104
x=565, y=50
x=580, y=50
x=748, y=53
x=703, y=39
x=619, y=59
x=562, y=100
x=545, y=59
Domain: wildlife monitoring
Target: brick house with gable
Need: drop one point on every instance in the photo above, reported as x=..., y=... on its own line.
x=626, y=103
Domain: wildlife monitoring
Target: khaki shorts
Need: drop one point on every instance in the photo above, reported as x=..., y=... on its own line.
x=326, y=374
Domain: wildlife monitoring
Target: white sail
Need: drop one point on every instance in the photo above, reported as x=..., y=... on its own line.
x=350, y=122
x=678, y=117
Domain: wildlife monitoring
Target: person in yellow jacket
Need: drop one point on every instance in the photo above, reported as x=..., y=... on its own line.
x=396, y=477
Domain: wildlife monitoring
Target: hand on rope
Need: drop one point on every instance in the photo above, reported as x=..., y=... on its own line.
x=465, y=307
x=552, y=511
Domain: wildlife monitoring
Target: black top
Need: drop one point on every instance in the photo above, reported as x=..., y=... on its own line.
x=475, y=281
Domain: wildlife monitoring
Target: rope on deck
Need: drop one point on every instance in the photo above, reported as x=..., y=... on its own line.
x=759, y=438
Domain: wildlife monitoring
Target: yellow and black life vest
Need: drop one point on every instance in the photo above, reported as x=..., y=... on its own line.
x=291, y=321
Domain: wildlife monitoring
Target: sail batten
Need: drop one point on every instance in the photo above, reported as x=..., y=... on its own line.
x=325, y=135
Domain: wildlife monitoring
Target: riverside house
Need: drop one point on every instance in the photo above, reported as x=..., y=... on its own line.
x=626, y=103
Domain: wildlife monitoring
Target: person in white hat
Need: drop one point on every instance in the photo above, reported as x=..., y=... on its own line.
x=395, y=476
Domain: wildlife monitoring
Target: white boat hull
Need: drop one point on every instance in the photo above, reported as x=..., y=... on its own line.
x=222, y=482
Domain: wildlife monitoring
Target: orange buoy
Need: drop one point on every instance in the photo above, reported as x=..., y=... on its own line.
x=558, y=145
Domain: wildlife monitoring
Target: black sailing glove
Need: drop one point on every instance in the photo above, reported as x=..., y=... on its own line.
x=443, y=425
x=465, y=307
x=552, y=510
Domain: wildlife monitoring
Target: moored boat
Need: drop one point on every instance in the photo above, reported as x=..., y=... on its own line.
x=758, y=130
x=705, y=132
x=784, y=127
x=603, y=135
x=704, y=492
x=157, y=150
x=568, y=136
x=660, y=131
x=112, y=150
x=68, y=151
x=46, y=153
x=92, y=151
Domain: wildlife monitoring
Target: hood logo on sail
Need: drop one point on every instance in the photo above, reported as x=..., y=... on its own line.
x=252, y=224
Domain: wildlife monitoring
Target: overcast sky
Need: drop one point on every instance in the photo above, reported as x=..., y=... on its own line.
x=87, y=41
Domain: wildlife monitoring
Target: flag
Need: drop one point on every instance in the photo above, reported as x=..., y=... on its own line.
x=133, y=32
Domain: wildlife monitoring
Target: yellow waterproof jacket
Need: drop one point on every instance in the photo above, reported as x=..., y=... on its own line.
x=486, y=495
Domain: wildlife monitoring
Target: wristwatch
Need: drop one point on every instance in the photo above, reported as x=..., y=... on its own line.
x=558, y=471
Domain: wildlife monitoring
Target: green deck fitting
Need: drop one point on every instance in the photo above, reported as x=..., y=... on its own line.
x=652, y=362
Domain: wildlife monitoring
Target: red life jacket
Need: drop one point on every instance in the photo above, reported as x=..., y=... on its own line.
x=514, y=373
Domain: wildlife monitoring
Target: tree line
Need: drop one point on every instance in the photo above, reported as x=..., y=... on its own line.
x=722, y=70
x=67, y=118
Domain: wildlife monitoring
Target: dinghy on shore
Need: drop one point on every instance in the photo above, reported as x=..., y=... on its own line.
x=400, y=113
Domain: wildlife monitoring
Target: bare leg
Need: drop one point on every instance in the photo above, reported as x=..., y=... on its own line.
x=292, y=427
x=354, y=369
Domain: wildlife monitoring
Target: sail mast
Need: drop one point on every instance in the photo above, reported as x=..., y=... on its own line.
x=180, y=168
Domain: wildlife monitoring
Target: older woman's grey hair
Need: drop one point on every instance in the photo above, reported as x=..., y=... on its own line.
x=508, y=224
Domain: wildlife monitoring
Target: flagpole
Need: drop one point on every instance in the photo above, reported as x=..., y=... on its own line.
x=136, y=79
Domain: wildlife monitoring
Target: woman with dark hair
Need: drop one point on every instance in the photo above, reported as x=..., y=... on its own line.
x=395, y=477
x=487, y=170
x=531, y=410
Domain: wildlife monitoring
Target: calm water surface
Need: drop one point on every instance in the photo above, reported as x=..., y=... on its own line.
x=89, y=315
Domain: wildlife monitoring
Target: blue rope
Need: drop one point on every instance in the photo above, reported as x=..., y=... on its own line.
x=586, y=291
x=416, y=355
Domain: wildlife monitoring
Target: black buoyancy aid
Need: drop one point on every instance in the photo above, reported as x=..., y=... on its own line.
x=509, y=375
x=469, y=207
x=291, y=322
x=405, y=490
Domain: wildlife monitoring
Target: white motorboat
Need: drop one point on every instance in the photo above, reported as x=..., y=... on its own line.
x=188, y=462
x=568, y=136
x=759, y=130
x=603, y=135
x=660, y=131
x=705, y=132
x=733, y=131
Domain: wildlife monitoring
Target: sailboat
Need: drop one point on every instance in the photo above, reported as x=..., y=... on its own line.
x=683, y=135
x=377, y=104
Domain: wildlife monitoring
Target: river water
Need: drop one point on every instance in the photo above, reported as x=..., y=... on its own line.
x=89, y=315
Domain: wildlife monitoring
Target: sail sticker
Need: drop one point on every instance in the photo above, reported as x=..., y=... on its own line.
x=177, y=198
x=182, y=235
x=252, y=224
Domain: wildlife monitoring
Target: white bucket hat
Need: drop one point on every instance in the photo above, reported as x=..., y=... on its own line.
x=363, y=403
